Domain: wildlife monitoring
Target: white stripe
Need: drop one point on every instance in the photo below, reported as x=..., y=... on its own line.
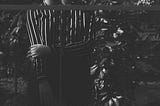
x=45, y=32
x=50, y=20
x=36, y=12
x=45, y=28
x=39, y=27
x=35, y=16
x=41, y=22
x=90, y=26
x=71, y=20
x=71, y=26
x=84, y=21
x=33, y=28
x=84, y=24
x=50, y=24
x=80, y=18
x=41, y=39
x=54, y=19
x=29, y=33
x=29, y=29
x=75, y=21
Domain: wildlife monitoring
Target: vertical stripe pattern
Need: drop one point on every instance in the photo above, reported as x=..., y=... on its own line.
x=67, y=28
x=48, y=26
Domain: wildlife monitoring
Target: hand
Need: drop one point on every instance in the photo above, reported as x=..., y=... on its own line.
x=46, y=93
x=39, y=50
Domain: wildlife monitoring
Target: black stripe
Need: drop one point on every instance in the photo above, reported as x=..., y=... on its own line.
x=30, y=27
x=35, y=26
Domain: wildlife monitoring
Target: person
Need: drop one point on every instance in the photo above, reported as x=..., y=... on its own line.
x=39, y=53
x=62, y=36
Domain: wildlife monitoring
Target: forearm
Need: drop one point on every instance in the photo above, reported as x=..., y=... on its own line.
x=40, y=68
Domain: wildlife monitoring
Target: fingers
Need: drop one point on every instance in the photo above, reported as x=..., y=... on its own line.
x=38, y=50
x=36, y=46
x=32, y=52
x=33, y=48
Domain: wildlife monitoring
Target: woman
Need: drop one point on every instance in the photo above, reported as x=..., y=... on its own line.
x=61, y=33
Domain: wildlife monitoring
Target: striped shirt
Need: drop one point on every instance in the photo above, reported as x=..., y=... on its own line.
x=67, y=28
x=60, y=29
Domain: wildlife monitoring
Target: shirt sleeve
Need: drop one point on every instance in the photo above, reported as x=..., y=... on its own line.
x=33, y=17
x=33, y=25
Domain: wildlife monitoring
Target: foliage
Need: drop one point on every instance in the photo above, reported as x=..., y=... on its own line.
x=125, y=2
x=120, y=57
x=14, y=68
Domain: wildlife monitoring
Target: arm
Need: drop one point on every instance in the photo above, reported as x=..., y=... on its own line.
x=34, y=37
x=39, y=51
